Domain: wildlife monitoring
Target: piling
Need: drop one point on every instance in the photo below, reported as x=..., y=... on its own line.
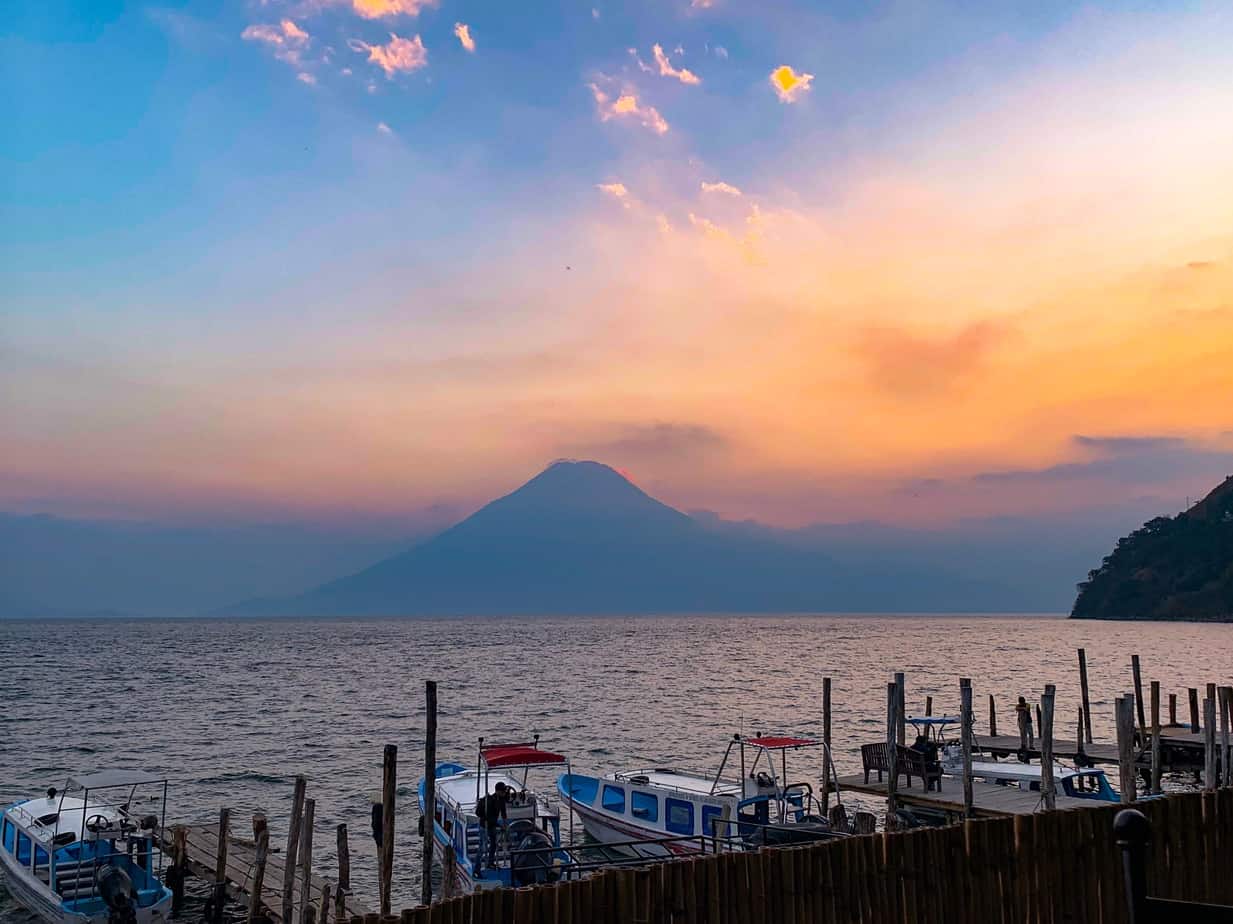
x=1194, y=711
x=1155, y=786
x=965, y=720
x=449, y=865
x=1124, y=710
x=220, y=867
x=1173, y=709
x=389, y=788
x=993, y=718
x=1138, y=679
x=344, y=874
x=928, y=707
x=179, y=868
x=892, y=742
x=1021, y=713
x=1226, y=747
x=1046, y=748
x=293, y=848
x=826, y=739
x=323, y=910
x=1036, y=706
x=306, y=860
x=261, y=837
x=1083, y=689
x=1079, y=735
x=901, y=708
x=430, y=786
x=1209, y=744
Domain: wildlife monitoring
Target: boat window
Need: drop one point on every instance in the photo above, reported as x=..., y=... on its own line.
x=679, y=816
x=710, y=821
x=645, y=805
x=41, y=860
x=10, y=834
x=23, y=849
x=614, y=799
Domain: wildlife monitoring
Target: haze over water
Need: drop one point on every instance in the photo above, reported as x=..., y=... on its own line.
x=233, y=710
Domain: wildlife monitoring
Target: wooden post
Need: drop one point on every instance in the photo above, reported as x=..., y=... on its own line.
x=1079, y=734
x=293, y=848
x=1226, y=746
x=449, y=864
x=220, y=866
x=1172, y=708
x=892, y=743
x=1138, y=678
x=928, y=706
x=1209, y=744
x=430, y=786
x=1038, y=718
x=1021, y=713
x=261, y=837
x=179, y=868
x=1194, y=711
x=306, y=859
x=344, y=875
x=1046, y=748
x=993, y=718
x=901, y=709
x=323, y=910
x=389, y=788
x=965, y=721
x=1155, y=787
x=1087, y=706
x=1125, y=712
x=826, y=739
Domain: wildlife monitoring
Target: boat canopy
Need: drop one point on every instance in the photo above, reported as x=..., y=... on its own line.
x=781, y=742
x=104, y=779
x=518, y=755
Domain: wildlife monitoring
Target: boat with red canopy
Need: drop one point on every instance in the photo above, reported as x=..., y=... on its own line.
x=759, y=806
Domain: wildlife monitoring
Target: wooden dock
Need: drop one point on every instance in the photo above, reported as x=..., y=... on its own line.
x=202, y=860
x=988, y=799
x=1176, y=741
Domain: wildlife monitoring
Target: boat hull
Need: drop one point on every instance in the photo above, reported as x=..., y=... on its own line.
x=39, y=900
x=608, y=830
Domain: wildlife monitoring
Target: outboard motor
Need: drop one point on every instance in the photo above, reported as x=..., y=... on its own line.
x=535, y=867
x=116, y=890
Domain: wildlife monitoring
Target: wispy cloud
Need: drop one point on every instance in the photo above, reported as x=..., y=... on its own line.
x=721, y=187
x=701, y=4
x=286, y=39
x=398, y=56
x=384, y=129
x=382, y=9
x=667, y=70
x=788, y=84
x=626, y=106
x=616, y=190
x=305, y=77
x=463, y=31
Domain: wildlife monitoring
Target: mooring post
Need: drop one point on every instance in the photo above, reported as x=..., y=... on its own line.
x=449, y=866
x=323, y=910
x=220, y=865
x=892, y=745
x=993, y=718
x=1226, y=746
x=389, y=788
x=306, y=859
x=1194, y=711
x=179, y=868
x=1039, y=723
x=430, y=786
x=1138, y=678
x=1079, y=752
x=1155, y=788
x=1087, y=708
x=1024, y=717
x=1125, y=711
x=1172, y=708
x=826, y=740
x=965, y=720
x=344, y=874
x=293, y=848
x=1046, y=748
x=261, y=838
x=1209, y=744
x=901, y=708
x=928, y=707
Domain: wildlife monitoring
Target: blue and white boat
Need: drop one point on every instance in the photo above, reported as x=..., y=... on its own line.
x=674, y=810
x=1077, y=783
x=529, y=848
x=90, y=856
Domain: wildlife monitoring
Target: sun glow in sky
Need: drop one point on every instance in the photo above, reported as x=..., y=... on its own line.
x=793, y=261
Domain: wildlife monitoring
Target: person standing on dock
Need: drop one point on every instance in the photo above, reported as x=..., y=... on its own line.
x=1025, y=721
x=491, y=812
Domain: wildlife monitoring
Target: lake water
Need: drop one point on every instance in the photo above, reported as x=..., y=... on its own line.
x=233, y=710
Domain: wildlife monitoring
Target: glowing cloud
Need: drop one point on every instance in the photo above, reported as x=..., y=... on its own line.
x=616, y=190
x=720, y=187
x=381, y=9
x=667, y=70
x=397, y=56
x=788, y=84
x=463, y=31
x=287, y=40
x=627, y=105
x=384, y=129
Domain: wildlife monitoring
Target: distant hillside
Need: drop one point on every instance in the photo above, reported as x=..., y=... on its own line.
x=1172, y=568
x=580, y=538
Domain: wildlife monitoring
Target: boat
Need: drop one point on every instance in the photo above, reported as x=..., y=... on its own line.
x=529, y=846
x=85, y=853
x=1077, y=783
x=683, y=811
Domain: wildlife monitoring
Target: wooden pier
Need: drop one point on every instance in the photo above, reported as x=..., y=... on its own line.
x=988, y=799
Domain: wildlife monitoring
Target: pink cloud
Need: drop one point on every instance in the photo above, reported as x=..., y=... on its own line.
x=398, y=56
x=627, y=106
x=667, y=70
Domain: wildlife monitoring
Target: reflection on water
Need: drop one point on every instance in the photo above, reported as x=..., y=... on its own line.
x=233, y=710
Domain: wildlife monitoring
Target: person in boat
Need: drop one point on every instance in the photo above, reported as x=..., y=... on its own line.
x=491, y=811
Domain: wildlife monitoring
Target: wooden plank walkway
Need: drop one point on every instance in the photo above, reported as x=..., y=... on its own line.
x=241, y=861
x=1175, y=738
x=988, y=799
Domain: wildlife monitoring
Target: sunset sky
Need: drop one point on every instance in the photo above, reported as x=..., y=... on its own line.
x=349, y=260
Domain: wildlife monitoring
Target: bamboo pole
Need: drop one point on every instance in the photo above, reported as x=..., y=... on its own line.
x=1083, y=689
x=261, y=837
x=965, y=718
x=1155, y=787
x=220, y=865
x=1138, y=679
x=1209, y=744
x=293, y=848
x=1124, y=710
x=306, y=860
x=389, y=791
x=1046, y=748
x=430, y=787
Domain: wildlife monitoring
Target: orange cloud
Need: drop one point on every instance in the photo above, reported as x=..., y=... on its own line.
x=287, y=40
x=788, y=84
x=463, y=31
x=380, y=9
x=616, y=190
x=667, y=70
x=627, y=105
x=397, y=56
x=720, y=187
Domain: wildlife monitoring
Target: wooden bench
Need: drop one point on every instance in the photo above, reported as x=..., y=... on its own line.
x=876, y=757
